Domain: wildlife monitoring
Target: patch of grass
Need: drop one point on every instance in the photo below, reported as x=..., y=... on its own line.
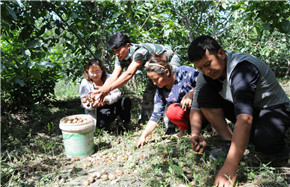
x=66, y=89
x=33, y=154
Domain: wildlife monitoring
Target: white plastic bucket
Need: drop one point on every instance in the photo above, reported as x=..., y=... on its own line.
x=78, y=138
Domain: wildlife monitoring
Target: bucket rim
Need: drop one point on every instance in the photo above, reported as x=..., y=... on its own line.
x=84, y=126
x=64, y=119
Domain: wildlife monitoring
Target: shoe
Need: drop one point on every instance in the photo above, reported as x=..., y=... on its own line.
x=124, y=124
x=170, y=131
x=220, y=153
x=101, y=125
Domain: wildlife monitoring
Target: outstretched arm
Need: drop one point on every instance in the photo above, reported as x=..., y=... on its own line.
x=116, y=83
x=244, y=82
x=114, y=76
x=239, y=143
x=127, y=75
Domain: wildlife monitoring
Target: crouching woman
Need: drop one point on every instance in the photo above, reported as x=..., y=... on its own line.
x=173, y=95
x=111, y=107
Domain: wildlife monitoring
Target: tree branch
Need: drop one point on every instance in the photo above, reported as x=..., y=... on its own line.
x=105, y=52
x=150, y=15
x=72, y=30
x=185, y=20
x=201, y=15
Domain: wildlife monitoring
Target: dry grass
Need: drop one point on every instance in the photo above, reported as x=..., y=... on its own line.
x=33, y=155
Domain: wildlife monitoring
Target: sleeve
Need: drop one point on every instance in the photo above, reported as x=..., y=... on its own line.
x=141, y=54
x=117, y=62
x=175, y=61
x=200, y=81
x=244, y=80
x=83, y=90
x=159, y=107
x=193, y=77
x=113, y=96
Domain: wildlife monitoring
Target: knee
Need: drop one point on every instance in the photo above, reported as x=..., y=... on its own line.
x=126, y=103
x=178, y=116
x=174, y=112
x=208, y=97
x=268, y=143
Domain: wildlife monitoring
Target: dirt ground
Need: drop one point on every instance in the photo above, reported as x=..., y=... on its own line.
x=115, y=161
x=115, y=166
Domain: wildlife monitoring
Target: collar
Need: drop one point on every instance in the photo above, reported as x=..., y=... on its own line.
x=131, y=52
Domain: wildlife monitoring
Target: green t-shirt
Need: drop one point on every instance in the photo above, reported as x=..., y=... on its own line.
x=144, y=52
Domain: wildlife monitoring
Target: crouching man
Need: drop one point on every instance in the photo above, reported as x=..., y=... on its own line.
x=243, y=89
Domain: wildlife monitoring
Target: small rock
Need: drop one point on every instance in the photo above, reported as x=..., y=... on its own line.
x=105, y=177
x=86, y=183
x=112, y=176
x=62, y=181
x=98, y=175
x=91, y=180
x=104, y=172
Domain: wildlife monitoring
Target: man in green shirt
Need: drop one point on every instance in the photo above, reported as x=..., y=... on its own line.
x=133, y=57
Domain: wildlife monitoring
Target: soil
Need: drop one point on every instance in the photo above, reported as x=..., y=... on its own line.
x=115, y=155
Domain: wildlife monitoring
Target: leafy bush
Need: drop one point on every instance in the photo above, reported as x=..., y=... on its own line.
x=42, y=42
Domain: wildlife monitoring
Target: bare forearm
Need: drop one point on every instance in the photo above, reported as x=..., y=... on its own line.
x=228, y=173
x=123, y=79
x=109, y=81
x=197, y=142
x=190, y=93
x=149, y=128
x=195, y=122
x=240, y=140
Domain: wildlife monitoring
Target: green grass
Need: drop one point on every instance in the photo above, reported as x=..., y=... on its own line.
x=33, y=153
x=64, y=89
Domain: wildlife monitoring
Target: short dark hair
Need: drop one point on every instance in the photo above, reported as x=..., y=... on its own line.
x=199, y=46
x=97, y=62
x=118, y=40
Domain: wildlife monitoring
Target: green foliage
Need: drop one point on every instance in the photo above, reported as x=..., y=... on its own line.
x=28, y=74
x=271, y=14
x=65, y=89
x=43, y=42
x=269, y=44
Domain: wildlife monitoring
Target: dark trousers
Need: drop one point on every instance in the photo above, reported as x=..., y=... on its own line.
x=269, y=125
x=108, y=113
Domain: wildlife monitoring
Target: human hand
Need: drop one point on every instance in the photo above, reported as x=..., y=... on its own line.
x=93, y=92
x=141, y=141
x=91, y=101
x=99, y=94
x=197, y=143
x=99, y=103
x=226, y=177
x=186, y=101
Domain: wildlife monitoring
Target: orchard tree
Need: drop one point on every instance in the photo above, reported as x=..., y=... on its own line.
x=43, y=42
